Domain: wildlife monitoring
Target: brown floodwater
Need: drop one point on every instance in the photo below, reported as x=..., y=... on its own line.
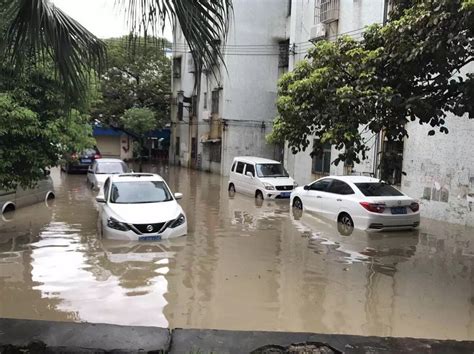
x=242, y=266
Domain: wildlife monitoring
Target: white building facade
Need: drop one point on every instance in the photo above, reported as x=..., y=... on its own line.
x=231, y=115
x=439, y=170
x=232, y=112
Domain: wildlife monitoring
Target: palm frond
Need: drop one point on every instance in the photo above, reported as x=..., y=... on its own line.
x=40, y=29
x=204, y=23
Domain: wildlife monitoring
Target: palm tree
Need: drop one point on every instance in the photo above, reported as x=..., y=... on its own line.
x=42, y=30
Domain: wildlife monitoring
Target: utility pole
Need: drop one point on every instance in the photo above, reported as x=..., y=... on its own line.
x=378, y=138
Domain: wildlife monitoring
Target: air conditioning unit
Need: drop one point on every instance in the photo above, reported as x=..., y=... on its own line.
x=190, y=64
x=317, y=32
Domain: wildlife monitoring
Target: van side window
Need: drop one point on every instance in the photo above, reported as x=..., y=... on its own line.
x=240, y=167
x=233, y=166
x=250, y=168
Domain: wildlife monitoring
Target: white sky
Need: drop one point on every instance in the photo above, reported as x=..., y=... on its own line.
x=99, y=16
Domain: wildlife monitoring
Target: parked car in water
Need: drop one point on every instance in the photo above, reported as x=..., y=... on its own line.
x=355, y=201
x=102, y=169
x=80, y=162
x=139, y=207
x=261, y=178
x=11, y=200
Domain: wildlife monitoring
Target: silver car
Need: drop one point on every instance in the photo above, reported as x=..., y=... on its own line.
x=102, y=169
x=13, y=199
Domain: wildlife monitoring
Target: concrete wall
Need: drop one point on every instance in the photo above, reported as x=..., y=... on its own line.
x=251, y=84
x=244, y=140
x=440, y=170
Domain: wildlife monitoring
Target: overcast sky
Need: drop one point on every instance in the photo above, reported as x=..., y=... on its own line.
x=98, y=16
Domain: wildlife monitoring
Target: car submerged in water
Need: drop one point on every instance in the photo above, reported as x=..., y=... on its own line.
x=359, y=202
x=260, y=178
x=139, y=207
x=11, y=200
x=80, y=162
x=101, y=169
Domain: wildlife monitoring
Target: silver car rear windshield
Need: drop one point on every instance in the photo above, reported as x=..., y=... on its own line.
x=377, y=189
x=138, y=192
x=111, y=168
x=271, y=170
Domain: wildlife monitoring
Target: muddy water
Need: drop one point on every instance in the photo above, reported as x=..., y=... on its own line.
x=242, y=266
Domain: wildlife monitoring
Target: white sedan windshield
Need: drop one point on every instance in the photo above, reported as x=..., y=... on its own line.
x=139, y=192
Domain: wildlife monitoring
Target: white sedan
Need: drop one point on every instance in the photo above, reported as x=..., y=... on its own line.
x=139, y=207
x=102, y=169
x=355, y=201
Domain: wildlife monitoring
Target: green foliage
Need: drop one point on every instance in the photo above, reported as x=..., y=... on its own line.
x=36, y=127
x=42, y=30
x=349, y=90
x=139, y=120
x=138, y=75
x=47, y=34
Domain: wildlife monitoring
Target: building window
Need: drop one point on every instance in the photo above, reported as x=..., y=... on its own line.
x=205, y=100
x=176, y=149
x=284, y=53
x=177, y=68
x=326, y=11
x=215, y=102
x=322, y=163
x=193, y=148
x=180, y=110
x=194, y=106
x=215, y=153
x=392, y=162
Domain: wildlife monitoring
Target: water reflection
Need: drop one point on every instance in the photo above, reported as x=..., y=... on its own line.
x=243, y=265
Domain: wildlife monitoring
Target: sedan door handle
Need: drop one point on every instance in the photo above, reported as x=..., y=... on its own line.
x=318, y=196
x=339, y=200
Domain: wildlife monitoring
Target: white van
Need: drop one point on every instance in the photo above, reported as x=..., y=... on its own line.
x=260, y=178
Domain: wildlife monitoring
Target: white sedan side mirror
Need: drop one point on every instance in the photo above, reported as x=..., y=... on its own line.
x=100, y=199
x=178, y=196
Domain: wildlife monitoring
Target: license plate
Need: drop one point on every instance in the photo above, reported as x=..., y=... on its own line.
x=285, y=194
x=86, y=160
x=149, y=238
x=399, y=210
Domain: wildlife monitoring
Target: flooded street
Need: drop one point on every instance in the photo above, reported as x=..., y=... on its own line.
x=241, y=266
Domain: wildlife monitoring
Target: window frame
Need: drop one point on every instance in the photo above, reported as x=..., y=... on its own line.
x=177, y=62
x=237, y=167
x=215, y=97
x=334, y=181
x=327, y=149
x=253, y=167
x=329, y=180
x=177, y=146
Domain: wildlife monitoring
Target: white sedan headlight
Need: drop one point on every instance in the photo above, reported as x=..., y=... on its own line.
x=268, y=186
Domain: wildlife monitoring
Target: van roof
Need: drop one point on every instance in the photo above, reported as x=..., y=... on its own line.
x=253, y=159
